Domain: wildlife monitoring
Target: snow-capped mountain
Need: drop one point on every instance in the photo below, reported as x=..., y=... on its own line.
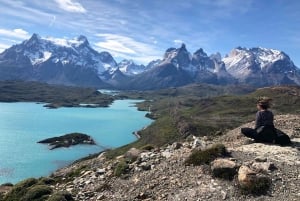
x=57, y=61
x=179, y=67
x=128, y=67
x=261, y=66
x=75, y=62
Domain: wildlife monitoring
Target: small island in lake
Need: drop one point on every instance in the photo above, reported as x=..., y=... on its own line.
x=68, y=140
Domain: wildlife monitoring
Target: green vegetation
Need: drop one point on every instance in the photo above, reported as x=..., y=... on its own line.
x=75, y=173
x=35, y=190
x=200, y=110
x=200, y=157
x=204, y=110
x=148, y=147
x=27, y=190
x=121, y=168
x=61, y=196
x=259, y=187
x=56, y=96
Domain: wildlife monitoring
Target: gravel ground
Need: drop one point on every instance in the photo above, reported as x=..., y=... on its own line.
x=162, y=175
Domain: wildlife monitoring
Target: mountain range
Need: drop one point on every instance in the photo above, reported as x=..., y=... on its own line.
x=75, y=62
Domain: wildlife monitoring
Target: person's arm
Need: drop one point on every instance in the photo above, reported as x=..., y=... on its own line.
x=257, y=120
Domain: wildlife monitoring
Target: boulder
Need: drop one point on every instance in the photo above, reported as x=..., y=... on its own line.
x=132, y=154
x=223, y=168
x=263, y=167
x=197, y=143
x=251, y=181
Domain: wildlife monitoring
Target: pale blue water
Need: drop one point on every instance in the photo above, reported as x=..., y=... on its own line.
x=23, y=124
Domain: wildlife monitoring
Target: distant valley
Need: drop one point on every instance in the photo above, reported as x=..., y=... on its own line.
x=76, y=63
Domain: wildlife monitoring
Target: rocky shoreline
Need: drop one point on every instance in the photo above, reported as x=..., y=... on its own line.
x=161, y=173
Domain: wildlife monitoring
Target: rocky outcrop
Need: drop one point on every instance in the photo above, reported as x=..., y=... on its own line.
x=224, y=168
x=252, y=181
x=68, y=140
x=161, y=173
x=254, y=171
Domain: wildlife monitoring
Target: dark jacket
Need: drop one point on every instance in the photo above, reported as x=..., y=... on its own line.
x=264, y=126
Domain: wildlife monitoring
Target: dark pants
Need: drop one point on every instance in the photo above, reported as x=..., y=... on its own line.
x=267, y=135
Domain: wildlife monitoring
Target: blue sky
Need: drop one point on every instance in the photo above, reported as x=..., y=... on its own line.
x=143, y=29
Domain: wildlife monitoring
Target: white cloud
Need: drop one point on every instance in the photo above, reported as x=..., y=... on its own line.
x=120, y=43
x=16, y=33
x=71, y=6
x=128, y=48
x=52, y=21
x=178, y=42
x=116, y=46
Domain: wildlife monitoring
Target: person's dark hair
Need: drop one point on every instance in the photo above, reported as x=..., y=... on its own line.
x=264, y=102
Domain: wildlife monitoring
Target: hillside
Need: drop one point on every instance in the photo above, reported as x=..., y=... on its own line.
x=54, y=95
x=154, y=167
x=162, y=173
x=180, y=112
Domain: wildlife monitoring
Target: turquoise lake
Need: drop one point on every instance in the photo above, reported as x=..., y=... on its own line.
x=23, y=124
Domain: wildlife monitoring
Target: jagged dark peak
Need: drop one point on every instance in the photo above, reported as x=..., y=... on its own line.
x=217, y=56
x=83, y=39
x=35, y=36
x=33, y=39
x=106, y=54
x=200, y=52
x=107, y=58
x=171, y=49
x=153, y=63
x=240, y=48
x=183, y=47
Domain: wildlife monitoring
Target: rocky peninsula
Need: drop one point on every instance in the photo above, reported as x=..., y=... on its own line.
x=68, y=140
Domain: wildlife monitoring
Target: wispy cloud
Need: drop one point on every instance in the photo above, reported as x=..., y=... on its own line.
x=25, y=14
x=178, y=41
x=71, y=6
x=115, y=46
x=52, y=21
x=126, y=47
x=15, y=33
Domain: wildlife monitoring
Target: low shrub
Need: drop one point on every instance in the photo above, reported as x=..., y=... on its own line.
x=20, y=189
x=46, y=180
x=121, y=168
x=259, y=187
x=61, y=196
x=200, y=157
x=37, y=193
x=7, y=184
x=147, y=147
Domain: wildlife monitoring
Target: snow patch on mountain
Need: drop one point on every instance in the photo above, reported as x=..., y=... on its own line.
x=128, y=67
x=38, y=57
x=242, y=58
x=75, y=42
x=76, y=52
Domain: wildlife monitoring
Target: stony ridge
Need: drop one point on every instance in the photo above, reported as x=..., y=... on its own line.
x=161, y=174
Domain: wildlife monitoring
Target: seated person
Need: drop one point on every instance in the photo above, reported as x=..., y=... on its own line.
x=264, y=130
